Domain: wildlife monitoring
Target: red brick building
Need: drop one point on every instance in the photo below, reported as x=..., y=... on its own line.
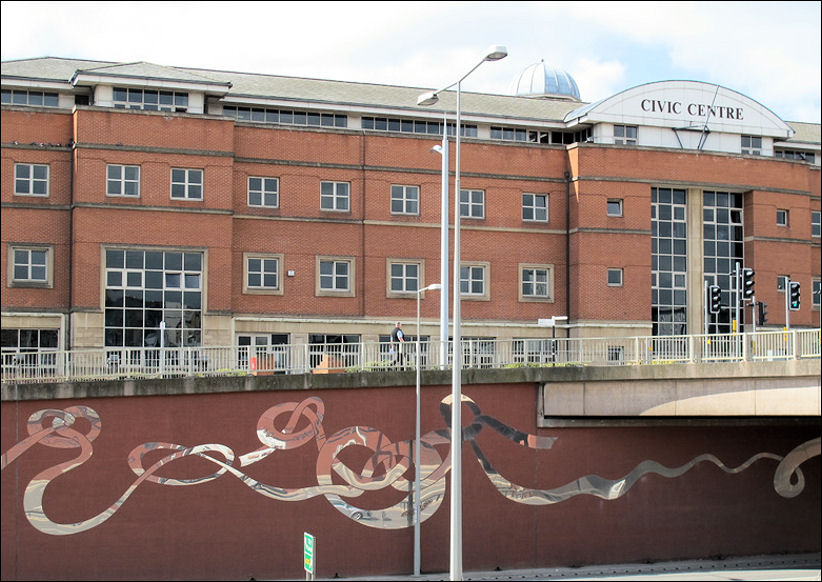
x=153, y=205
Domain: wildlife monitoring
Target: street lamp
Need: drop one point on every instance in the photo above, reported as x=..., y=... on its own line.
x=493, y=53
x=417, y=441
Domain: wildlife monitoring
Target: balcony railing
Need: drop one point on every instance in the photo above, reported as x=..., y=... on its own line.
x=134, y=363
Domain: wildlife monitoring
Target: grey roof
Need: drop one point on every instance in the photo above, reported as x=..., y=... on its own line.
x=533, y=110
x=143, y=70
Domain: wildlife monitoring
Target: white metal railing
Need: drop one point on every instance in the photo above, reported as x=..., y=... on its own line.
x=122, y=363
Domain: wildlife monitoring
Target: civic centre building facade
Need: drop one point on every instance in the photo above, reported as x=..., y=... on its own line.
x=147, y=205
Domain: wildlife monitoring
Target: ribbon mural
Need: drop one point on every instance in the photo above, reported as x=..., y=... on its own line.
x=291, y=425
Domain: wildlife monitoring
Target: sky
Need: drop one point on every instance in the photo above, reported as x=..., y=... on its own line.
x=769, y=51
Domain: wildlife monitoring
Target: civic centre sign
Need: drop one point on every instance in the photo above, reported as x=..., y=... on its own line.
x=685, y=105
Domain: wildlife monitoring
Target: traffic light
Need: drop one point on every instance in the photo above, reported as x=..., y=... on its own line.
x=747, y=283
x=763, y=313
x=794, y=299
x=714, y=298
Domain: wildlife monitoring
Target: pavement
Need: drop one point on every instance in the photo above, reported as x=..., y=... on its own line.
x=805, y=567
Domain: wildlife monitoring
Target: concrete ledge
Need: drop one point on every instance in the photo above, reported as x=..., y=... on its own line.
x=537, y=375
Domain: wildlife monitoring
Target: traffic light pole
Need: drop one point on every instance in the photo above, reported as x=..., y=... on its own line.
x=787, y=304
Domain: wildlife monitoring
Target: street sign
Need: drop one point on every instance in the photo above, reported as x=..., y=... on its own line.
x=308, y=553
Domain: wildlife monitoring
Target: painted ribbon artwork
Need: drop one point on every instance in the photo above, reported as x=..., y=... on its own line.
x=386, y=467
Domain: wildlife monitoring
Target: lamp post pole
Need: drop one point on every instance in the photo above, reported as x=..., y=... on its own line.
x=493, y=53
x=444, y=247
x=417, y=441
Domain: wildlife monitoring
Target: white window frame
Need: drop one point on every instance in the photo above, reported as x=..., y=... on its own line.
x=751, y=145
x=188, y=184
x=404, y=264
x=30, y=180
x=405, y=196
x=47, y=266
x=615, y=271
x=266, y=188
x=531, y=206
x=267, y=260
x=122, y=181
x=337, y=194
x=149, y=99
x=816, y=223
x=548, y=296
x=349, y=278
x=475, y=267
x=782, y=217
x=625, y=134
x=816, y=294
x=620, y=205
x=471, y=209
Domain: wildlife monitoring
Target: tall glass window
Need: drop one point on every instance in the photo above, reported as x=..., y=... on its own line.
x=145, y=288
x=722, y=249
x=669, y=262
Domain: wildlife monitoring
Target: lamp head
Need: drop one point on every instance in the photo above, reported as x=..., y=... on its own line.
x=427, y=99
x=437, y=148
x=495, y=52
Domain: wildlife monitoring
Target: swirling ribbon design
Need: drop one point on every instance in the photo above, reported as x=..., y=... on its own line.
x=385, y=467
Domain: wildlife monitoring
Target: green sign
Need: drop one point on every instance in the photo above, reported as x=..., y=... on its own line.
x=308, y=552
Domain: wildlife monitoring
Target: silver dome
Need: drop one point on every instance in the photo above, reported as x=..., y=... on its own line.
x=538, y=80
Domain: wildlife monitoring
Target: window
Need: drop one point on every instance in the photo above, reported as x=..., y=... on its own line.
x=615, y=277
x=264, y=192
x=614, y=207
x=270, y=349
x=751, y=145
x=669, y=260
x=723, y=249
x=153, y=292
x=285, y=116
x=404, y=277
x=795, y=155
x=122, y=180
x=150, y=100
x=625, y=134
x=186, y=184
x=816, y=290
x=473, y=279
x=335, y=196
x=781, y=217
x=535, y=207
x=336, y=350
x=536, y=282
x=29, y=352
x=415, y=126
x=31, y=180
x=335, y=276
x=33, y=98
x=262, y=273
x=472, y=204
x=816, y=223
x=30, y=266
x=405, y=200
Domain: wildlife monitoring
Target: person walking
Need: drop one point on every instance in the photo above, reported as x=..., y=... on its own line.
x=397, y=339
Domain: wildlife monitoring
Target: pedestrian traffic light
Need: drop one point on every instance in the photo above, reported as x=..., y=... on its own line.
x=747, y=283
x=763, y=313
x=714, y=298
x=794, y=299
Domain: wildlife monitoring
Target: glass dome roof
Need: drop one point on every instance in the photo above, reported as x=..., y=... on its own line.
x=538, y=80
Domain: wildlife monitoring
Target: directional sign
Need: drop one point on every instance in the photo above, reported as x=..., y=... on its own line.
x=308, y=552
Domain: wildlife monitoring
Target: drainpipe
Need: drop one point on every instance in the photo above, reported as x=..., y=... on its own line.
x=568, y=250
x=72, y=174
